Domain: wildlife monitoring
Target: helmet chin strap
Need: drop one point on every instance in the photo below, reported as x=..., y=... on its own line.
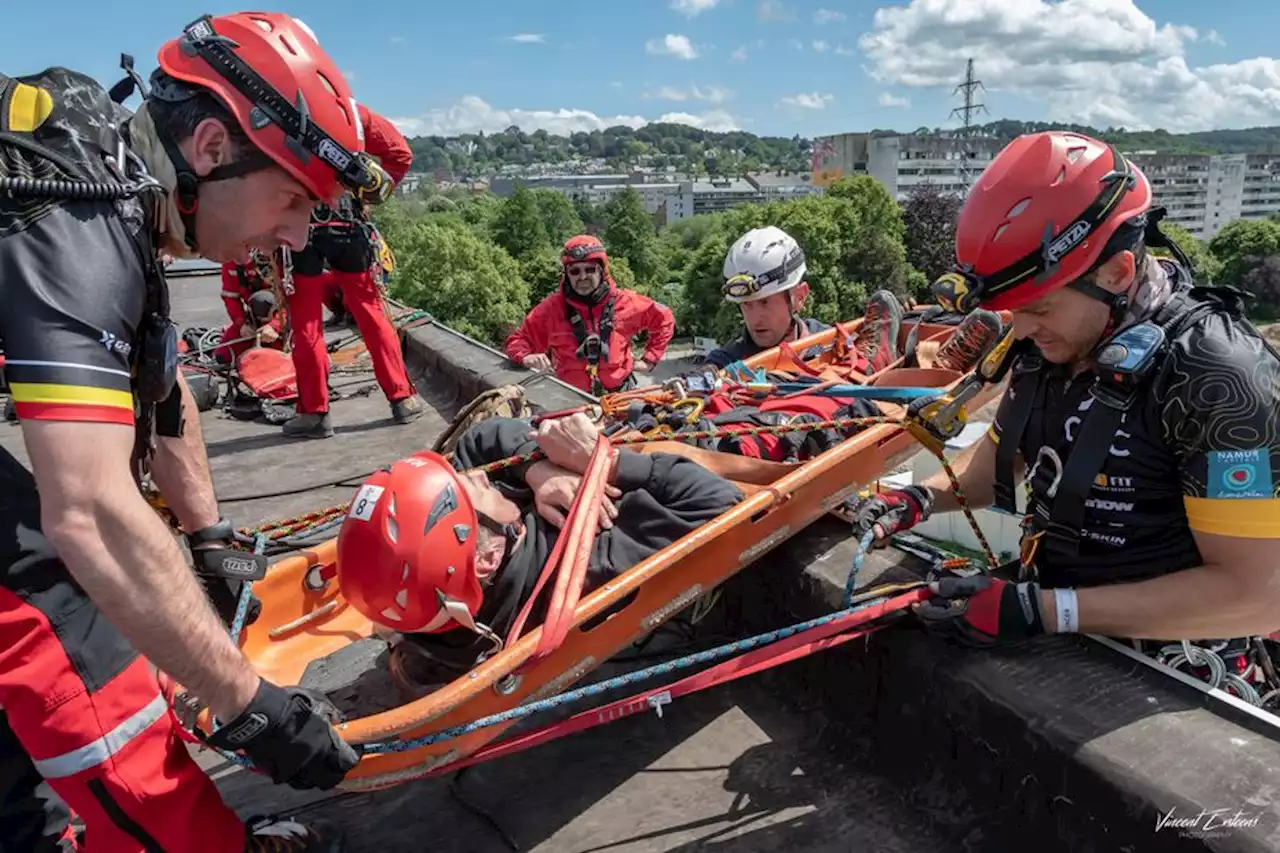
x=187, y=191
x=1117, y=303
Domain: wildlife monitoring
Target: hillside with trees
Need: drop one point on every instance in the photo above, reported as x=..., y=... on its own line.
x=702, y=152
x=658, y=145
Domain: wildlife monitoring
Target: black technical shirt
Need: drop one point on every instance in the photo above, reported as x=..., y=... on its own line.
x=1199, y=452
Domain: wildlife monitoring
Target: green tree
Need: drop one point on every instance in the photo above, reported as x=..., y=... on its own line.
x=518, y=225
x=929, y=218
x=558, y=216
x=1204, y=266
x=542, y=271
x=630, y=233
x=591, y=215
x=1243, y=245
x=465, y=281
x=1249, y=253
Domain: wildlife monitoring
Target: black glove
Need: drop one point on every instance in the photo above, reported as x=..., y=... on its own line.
x=893, y=511
x=223, y=569
x=982, y=611
x=284, y=734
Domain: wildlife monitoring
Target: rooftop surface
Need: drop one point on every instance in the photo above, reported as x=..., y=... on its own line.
x=757, y=765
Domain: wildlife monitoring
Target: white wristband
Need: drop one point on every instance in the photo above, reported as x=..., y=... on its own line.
x=1068, y=610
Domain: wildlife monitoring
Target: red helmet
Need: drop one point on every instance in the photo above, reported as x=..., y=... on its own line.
x=584, y=247
x=287, y=94
x=407, y=548
x=1038, y=219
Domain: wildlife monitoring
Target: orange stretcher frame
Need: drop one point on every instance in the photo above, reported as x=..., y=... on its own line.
x=300, y=623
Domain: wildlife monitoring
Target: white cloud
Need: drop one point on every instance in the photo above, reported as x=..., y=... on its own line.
x=820, y=46
x=674, y=45
x=797, y=44
x=1130, y=72
x=841, y=50
x=472, y=114
x=692, y=8
x=773, y=10
x=1214, y=37
x=826, y=16
x=529, y=38
x=888, y=100
x=809, y=100
x=711, y=94
x=616, y=84
x=740, y=53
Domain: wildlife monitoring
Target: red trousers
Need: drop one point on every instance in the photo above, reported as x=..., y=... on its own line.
x=83, y=715
x=311, y=359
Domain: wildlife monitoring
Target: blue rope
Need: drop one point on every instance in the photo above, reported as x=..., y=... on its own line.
x=864, y=545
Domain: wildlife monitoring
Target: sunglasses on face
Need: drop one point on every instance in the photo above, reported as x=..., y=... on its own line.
x=579, y=270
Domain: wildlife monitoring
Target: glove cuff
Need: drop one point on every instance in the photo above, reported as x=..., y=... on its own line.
x=222, y=531
x=268, y=705
x=924, y=498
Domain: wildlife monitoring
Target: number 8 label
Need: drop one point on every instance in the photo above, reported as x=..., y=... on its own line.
x=365, y=501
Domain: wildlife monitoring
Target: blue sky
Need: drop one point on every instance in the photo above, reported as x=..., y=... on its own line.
x=769, y=66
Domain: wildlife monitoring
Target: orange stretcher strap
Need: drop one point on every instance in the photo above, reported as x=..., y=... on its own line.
x=569, y=558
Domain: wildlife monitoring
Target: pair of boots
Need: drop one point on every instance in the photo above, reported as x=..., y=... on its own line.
x=877, y=338
x=319, y=425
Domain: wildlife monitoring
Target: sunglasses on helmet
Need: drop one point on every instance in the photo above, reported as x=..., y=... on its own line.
x=745, y=284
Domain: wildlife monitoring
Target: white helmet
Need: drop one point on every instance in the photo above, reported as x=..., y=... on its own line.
x=764, y=261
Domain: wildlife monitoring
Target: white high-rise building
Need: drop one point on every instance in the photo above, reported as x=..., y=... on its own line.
x=1201, y=192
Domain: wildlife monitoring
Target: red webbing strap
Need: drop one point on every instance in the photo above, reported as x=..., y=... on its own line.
x=553, y=565
x=787, y=350
x=815, y=639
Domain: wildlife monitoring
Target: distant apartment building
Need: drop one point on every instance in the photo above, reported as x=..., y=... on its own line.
x=667, y=200
x=1204, y=192
x=900, y=162
x=1201, y=192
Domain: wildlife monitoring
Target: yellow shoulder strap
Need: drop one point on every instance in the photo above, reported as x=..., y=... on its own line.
x=27, y=107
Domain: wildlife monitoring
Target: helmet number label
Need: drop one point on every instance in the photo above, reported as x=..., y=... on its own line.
x=365, y=501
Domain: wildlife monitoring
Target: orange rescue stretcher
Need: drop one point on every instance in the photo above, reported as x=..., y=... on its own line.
x=304, y=617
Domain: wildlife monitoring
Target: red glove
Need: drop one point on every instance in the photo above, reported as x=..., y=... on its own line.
x=893, y=511
x=983, y=611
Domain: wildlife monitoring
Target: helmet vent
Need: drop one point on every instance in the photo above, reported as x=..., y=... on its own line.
x=328, y=85
x=402, y=598
x=288, y=44
x=1075, y=152
x=390, y=615
x=393, y=530
x=262, y=24
x=999, y=232
x=1062, y=176
x=404, y=575
x=1018, y=208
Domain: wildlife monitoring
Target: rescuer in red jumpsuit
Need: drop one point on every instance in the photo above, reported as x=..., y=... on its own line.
x=341, y=241
x=588, y=324
x=251, y=306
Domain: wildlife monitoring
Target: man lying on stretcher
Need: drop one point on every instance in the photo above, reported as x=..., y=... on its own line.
x=447, y=560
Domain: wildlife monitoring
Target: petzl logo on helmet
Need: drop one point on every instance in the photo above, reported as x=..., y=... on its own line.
x=1067, y=241
x=333, y=154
